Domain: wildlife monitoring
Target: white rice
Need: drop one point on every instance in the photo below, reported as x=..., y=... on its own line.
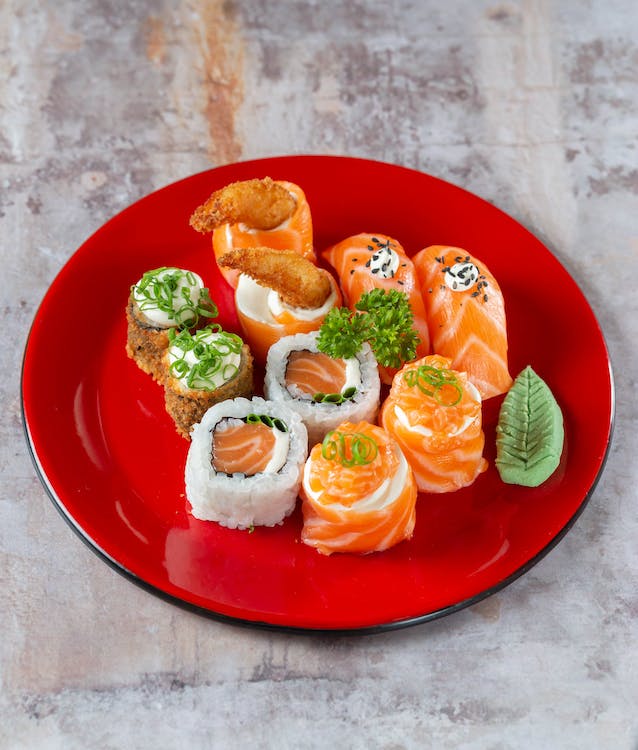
x=240, y=501
x=320, y=418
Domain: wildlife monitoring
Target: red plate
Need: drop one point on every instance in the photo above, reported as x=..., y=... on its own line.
x=113, y=465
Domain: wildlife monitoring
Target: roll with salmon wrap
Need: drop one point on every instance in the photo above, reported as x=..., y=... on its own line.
x=358, y=492
x=279, y=294
x=245, y=463
x=434, y=413
x=256, y=213
x=323, y=390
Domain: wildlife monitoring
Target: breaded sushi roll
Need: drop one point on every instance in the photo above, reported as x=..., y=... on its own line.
x=163, y=299
x=323, y=390
x=203, y=368
x=245, y=463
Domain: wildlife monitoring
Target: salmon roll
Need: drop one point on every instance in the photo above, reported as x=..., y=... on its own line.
x=256, y=213
x=375, y=261
x=163, y=299
x=358, y=492
x=323, y=390
x=279, y=294
x=245, y=463
x=466, y=315
x=203, y=368
x=434, y=413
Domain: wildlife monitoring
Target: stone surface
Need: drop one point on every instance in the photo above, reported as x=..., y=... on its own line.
x=530, y=104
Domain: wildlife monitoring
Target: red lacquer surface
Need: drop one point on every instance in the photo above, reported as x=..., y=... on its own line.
x=113, y=463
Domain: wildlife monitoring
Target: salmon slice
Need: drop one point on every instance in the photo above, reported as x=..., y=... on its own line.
x=358, y=492
x=245, y=448
x=466, y=315
x=376, y=261
x=315, y=372
x=434, y=413
x=295, y=233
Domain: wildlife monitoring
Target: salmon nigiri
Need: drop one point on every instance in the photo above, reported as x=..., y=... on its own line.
x=466, y=315
x=278, y=294
x=358, y=492
x=376, y=261
x=256, y=213
x=434, y=413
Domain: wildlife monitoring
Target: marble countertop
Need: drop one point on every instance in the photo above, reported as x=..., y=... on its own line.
x=531, y=105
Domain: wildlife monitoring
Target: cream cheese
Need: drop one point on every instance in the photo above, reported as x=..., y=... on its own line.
x=171, y=309
x=206, y=367
x=263, y=304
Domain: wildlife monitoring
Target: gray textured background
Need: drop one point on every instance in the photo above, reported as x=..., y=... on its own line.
x=530, y=104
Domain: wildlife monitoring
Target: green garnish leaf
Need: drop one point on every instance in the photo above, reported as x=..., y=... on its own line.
x=530, y=432
x=382, y=318
x=342, y=333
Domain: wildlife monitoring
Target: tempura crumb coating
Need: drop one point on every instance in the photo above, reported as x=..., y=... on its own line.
x=146, y=343
x=260, y=204
x=188, y=407
x=296, y=280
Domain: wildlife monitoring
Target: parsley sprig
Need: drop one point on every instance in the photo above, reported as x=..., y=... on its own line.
x=382, y=318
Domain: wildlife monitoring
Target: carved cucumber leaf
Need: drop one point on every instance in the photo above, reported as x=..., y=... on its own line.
x=530, y=433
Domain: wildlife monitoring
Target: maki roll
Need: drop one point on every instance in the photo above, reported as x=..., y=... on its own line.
x=358, y=491
x=203, y=368
x=323, y=390
x=245, y=463
x=163, y=299
x=434, y=413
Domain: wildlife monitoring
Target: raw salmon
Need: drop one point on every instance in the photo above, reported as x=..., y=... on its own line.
x=315, y=372
x=244, y=447
x=376, y=261
x=294, y=233
x=434, y=413
x=358, y=492
x=466, y=315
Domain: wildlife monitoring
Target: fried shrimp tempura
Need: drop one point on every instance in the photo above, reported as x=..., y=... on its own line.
x=296, y=280
x=260, y=204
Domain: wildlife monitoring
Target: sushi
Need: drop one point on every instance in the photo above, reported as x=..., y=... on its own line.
x=434, y=413
x=376, y=261
x=256, y=213
x=279, y=294
x=245, y=463
x=466, y=314
x=323, y=390
x=163, y=299
x=358, y=492
x=203, y=368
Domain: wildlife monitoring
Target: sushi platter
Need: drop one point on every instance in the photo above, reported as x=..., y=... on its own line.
x=112, y=447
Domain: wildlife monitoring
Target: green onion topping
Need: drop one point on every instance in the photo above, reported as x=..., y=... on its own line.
x=201, y=359
x=349, y=449
x=442, y=385
x=268, y=421
x=334, y=398
x=170, y=290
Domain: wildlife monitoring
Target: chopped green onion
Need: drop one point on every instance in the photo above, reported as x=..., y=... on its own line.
x=349, y=449
x=431, y=381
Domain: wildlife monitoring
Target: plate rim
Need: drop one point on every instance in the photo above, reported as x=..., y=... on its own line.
x=400, y=623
